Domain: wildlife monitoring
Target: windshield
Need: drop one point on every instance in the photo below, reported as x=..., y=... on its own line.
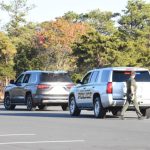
x=123, y=76
x=55, y=77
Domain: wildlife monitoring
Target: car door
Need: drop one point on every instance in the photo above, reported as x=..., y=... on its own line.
x=24, y=87
x=20, y=89
x=15, y=92
x=92, y=87
x=83, y=92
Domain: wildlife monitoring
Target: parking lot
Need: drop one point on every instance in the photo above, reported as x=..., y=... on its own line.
x=54, y=129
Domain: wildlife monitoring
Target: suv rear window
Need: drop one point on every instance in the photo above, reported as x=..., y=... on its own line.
x=55, y=77
x=122, y=76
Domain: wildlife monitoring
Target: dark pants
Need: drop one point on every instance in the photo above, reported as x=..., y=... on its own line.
x=128, y=102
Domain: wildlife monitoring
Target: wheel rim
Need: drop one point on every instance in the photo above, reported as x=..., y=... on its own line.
x=7, y=102
x=72, y=106
x=97, y=108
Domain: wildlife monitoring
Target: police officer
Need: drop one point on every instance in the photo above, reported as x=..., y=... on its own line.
x=131, y=96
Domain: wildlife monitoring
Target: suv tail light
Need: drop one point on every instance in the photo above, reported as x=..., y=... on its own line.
x=109, y=88
x=69, y=86
x=43, y=86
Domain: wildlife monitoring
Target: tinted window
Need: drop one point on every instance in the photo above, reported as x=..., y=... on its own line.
x=142, y=76
x=26, y=78
x=94, y=76
x=105, y=76
x=122, y=76
x=19, y=79
x=86, y=78
x=55, y=77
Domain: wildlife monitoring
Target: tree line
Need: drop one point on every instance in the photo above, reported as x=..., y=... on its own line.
x=74, y=42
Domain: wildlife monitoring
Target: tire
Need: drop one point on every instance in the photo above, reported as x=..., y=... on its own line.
x=147, y=114
x=64, y=107
x=7, y=103
x=41, y=107
x=143, y=111
x=74, y=111
x=99, y=111
x=116, y=112
x=29, y=101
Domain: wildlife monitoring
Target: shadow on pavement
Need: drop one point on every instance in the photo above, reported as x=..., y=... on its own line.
x=46, y=113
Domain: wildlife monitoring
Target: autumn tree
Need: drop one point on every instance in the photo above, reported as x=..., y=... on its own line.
x=47, y=46
x=60, y=35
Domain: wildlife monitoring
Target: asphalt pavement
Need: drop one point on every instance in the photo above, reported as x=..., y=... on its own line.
x=54, y=129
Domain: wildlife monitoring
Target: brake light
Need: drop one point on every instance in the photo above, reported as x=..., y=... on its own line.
x=43, y=86
x=69, y=86
x=109, y=88
x=127, y=72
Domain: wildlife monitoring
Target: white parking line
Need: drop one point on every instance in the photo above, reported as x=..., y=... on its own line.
x=39, y=142
x=17, y=134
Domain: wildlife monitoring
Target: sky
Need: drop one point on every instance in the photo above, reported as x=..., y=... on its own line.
x=47, y=10
x=50, y=9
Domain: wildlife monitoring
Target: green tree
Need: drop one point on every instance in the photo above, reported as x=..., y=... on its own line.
x=134, y=28
x=7, y=52
x=135, y=19
x=102, y=21
x=17, y=10
x=31, y=55
x=96, y=50
x=71, y=16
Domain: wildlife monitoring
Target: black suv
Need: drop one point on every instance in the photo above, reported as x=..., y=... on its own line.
x=38, y=88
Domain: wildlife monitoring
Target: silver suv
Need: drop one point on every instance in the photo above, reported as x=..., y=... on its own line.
x=38, y=88
x=104, y=90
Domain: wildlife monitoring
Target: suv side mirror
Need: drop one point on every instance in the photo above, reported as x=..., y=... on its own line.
x=78, y=81
x=12, y=82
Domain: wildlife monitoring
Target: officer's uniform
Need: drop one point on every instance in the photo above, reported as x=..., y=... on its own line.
x=131, y=98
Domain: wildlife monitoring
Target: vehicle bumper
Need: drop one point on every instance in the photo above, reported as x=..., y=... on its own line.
x=108, y=101
x=141, y=103
x=50, y=99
